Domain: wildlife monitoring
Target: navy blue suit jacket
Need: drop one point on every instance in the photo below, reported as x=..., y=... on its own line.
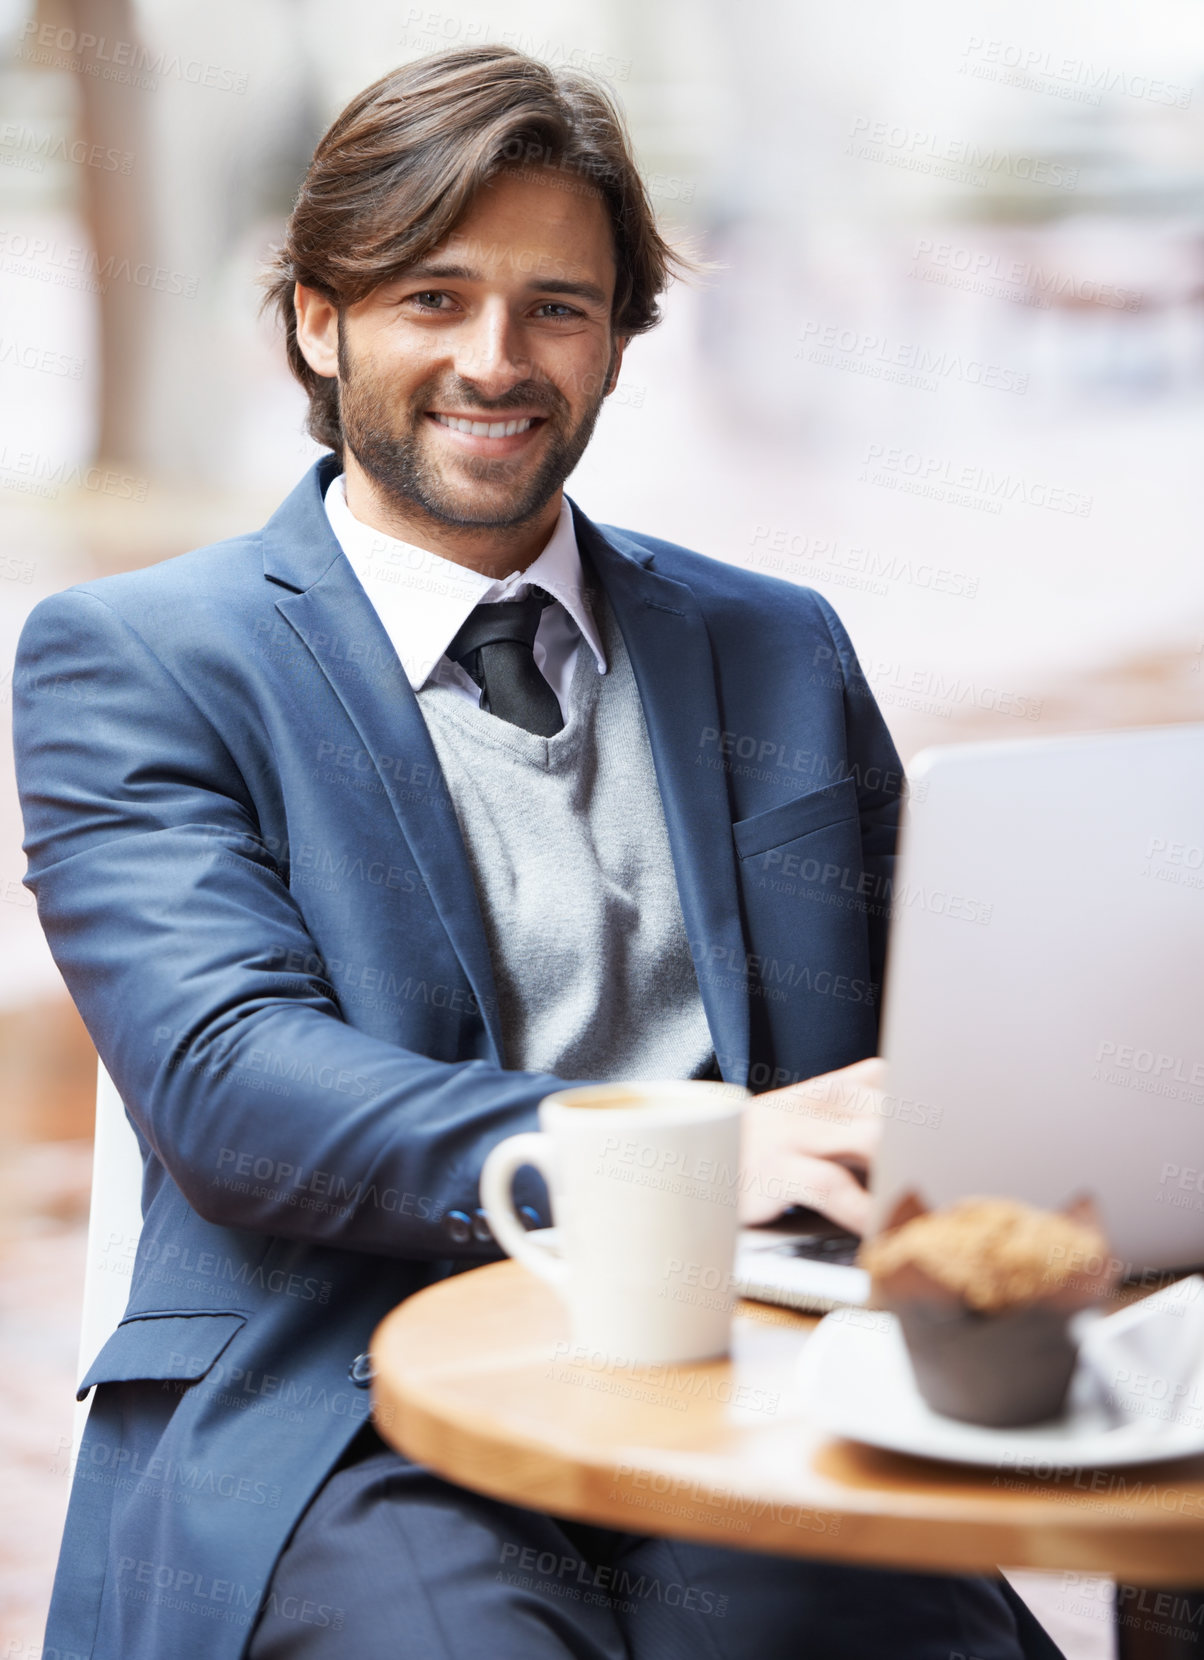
x=250, y=874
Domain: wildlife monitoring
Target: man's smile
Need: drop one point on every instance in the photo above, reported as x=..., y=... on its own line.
x=470, y=433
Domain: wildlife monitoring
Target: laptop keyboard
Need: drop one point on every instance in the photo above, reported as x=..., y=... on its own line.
x=822, y=1247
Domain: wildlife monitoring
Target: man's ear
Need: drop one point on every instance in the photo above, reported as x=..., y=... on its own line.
x=317, y=330
x=620, y=346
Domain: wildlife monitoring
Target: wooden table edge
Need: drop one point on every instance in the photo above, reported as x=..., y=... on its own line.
x=555, y=1474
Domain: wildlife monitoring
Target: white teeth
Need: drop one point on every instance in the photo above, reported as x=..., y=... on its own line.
x=484, y=429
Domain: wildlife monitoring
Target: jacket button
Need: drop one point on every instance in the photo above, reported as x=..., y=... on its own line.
x=361, y=1371
x=481, y=1231
x=459, y=1226
x=529, y=1217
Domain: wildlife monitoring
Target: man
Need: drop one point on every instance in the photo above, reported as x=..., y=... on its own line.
x=358, y=836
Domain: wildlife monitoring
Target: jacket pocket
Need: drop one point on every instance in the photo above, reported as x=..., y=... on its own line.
x=813, y=811
x=160, y=1346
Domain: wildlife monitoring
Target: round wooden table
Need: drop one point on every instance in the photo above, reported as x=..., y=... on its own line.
x=476, y=1377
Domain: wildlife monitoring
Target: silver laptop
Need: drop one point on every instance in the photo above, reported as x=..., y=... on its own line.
x=1043, y=1021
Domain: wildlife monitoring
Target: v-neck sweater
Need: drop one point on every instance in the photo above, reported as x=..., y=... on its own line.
x=567, y=844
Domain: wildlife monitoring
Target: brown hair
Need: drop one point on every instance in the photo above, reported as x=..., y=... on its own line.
x=399, y=168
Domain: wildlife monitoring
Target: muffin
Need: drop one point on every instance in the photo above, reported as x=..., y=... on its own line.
x=984, y=1291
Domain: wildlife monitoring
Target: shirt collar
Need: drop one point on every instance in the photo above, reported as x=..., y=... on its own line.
x=423, y=599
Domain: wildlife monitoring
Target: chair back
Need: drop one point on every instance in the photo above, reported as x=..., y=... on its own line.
x=114, y=1224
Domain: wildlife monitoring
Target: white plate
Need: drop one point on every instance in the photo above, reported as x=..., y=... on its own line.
x=1137, y=1395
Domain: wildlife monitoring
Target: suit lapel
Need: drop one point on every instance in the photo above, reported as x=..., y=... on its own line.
x=339, y=624
x=670, y=652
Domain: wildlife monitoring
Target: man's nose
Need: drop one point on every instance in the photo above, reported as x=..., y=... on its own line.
x=490, y=353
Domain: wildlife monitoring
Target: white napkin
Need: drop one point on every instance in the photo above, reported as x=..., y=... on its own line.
x=1147, y=1360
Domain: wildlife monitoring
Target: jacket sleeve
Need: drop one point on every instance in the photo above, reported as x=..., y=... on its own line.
x=878, y=772
x=172, y=928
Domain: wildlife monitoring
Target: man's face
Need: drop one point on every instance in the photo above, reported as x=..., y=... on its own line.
x=504, y=329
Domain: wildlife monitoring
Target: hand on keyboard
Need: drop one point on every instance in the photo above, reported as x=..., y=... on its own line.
x=811, y=1144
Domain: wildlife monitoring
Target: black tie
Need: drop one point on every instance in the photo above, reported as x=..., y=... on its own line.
x=495, y=647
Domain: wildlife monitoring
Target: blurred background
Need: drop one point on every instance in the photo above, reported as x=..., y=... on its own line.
x=949, y=371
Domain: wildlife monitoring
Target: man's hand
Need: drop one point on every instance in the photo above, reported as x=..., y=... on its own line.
x=800, y=1145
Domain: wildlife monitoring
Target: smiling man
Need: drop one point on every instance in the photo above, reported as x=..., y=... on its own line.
x=465, y=406
x=361, y=834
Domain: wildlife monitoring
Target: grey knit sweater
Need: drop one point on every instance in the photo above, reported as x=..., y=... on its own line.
x=567, y=843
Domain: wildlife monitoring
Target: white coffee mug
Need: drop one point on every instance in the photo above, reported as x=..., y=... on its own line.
x=644, y=1180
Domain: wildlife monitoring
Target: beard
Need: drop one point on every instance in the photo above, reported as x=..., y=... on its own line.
x=396, y=449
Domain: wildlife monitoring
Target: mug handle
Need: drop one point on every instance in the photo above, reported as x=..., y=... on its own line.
x=497, y=1201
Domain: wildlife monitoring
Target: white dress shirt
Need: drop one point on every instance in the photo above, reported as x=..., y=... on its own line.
x=424, y=599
